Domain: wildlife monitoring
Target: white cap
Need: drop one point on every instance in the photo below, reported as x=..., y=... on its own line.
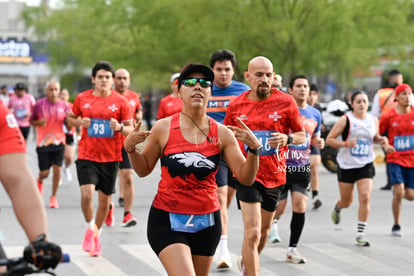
x=336, y=105
x=278, y=77
x=174, y=77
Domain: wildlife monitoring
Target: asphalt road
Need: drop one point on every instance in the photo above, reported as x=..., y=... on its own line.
x=328, y=248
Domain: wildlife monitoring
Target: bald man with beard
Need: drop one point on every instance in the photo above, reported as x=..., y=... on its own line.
x=126, y=186
x=270, y=114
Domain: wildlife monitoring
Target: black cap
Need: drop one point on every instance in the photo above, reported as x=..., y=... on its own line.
x=195, y=68
x=20, y=86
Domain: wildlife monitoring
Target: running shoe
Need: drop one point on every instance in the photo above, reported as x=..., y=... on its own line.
x=361, y=241
x=88, y=240
x=223, y=258
x=40, y=187
x=336, y=216
x=274, y=233
x=241, y=266
x=386, y=187
x=110, y=219
x=293, y=256
x=129, y=220
x=121, y=202
x=68, y=175
x=396, y=230
x=316, y=202
x=97, y=249
x=53, y=203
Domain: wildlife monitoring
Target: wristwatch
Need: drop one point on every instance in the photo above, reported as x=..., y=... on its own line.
x=256, y=151
x=290, y=139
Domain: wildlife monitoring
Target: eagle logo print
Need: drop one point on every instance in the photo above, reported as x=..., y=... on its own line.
x=194, y=159
x=187, y=163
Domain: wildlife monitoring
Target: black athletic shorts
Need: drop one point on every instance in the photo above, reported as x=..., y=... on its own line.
x=69, y=139
x=269, y=197
x=352, y=175
x=50, y=155
x=315, y=150
x=102, y=175
x=224, y=176
x=297, y=181
x=160, y=235
x=125, y=163
x=25, y=131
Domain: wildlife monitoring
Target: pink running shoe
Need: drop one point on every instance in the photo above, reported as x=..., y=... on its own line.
x=53, y=203
x=97, y=250
x=88, y=240
x=129, y=220
x=110, y=219
x=40, y=187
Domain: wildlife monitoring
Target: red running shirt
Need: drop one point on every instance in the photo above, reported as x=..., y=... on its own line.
x=188, y=183
x=134, y=102
x=98, y=142
x=169, y=105
x=278, y=112
x=399, y=128
x=11, y=138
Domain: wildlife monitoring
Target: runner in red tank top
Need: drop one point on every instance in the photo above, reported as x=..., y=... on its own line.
x=104, y=116
x=184, y=219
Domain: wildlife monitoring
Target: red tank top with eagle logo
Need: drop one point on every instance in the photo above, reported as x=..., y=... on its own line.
x=188, y=184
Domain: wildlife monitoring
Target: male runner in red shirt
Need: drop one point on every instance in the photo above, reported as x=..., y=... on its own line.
x=49, y=114
x=172, y=103
x=398, y=125
x=126, y=185
x=104, y=116
x=271, y=115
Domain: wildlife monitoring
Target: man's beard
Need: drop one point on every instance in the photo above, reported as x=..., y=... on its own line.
x=262, y=92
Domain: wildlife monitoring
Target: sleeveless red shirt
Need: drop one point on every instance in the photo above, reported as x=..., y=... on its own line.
x=188, y=184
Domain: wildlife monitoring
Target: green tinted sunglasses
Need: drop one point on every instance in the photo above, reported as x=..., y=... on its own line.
x=193, y=82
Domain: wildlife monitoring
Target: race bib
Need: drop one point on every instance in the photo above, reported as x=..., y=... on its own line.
x=191, y=223
x=263, y=136
x=404, y=142
x=21, y=113
x=361, y=148
x=100, y=128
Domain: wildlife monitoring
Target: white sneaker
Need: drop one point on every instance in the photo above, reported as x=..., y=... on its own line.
x=223, y=258
x=68, y=175
x=361, y=241
x=293, y=256
x=274, y=233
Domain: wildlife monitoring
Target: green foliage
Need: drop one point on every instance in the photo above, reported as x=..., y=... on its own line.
x=152, y=39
